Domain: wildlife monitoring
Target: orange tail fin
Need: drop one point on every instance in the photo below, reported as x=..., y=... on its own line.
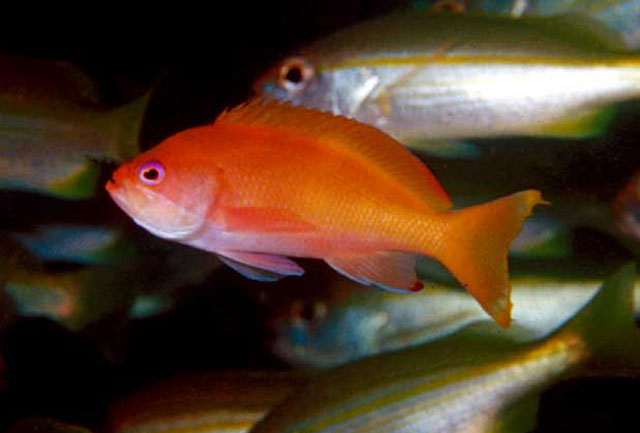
x=476, y=245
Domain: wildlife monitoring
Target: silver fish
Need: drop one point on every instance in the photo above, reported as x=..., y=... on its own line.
x=49, y=140
x=83, y=244
x=343, y=323
x=421, y=76
x=216, y=402
x=468, y=382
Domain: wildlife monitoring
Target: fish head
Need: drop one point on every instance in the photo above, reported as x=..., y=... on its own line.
x=299, y=80
x=326, y=84
x=328, y=329
x=166, y=190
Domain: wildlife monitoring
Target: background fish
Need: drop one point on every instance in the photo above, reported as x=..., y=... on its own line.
x=51, y=139
x=421, y=76
x=74, y=298
x=466, y=382
x=52, y=371
x=140, y=283
x=341, y=323
x=543, y=237
x=216, y=402
x=85, y=244
x=350, y=195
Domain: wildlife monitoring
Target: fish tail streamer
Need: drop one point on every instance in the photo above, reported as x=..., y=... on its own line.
x=475, y=246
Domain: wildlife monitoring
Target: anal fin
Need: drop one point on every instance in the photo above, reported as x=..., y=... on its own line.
x=258, y=266
x=389, y=270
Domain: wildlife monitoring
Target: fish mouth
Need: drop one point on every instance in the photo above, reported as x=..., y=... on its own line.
x=118, y=195
x=122, y=194
x=112, y=186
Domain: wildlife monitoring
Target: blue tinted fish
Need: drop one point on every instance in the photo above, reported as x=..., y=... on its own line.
x=469, y=381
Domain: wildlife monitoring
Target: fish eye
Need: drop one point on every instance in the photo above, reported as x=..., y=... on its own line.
x=294, y=74
x=151, y=173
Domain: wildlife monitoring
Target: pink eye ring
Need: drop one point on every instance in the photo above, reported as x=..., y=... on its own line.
x=151, y=173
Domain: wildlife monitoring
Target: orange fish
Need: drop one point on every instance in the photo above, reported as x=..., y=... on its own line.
x=268, y=180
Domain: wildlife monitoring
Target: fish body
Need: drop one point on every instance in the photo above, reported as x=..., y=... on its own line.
x=137, y=278
x=467, y=382
x=341, y=323
x=75, y=243
x=421, y=76
x=73, y=299
x=221, y=402
x=267, y=181
x=543, y=237
x=50, y=141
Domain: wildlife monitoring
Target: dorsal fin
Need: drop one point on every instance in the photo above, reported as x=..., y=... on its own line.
x=583, y=29
x=358, y=140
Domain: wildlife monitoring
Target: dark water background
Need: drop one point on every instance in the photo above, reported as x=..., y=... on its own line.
x=207, y=59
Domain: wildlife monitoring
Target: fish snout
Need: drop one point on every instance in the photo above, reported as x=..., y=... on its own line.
x=116, y=181
x=117, y=189
x=110, y=185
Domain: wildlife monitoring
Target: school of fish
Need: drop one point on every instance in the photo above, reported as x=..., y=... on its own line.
x=474, y=160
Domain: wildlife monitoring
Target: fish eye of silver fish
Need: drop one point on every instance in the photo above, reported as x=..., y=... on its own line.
x=294, y=74
x=151, y=173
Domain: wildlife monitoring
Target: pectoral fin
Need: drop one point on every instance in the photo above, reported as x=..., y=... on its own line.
x=583, y=124
x=261, y=267
x=391, y=271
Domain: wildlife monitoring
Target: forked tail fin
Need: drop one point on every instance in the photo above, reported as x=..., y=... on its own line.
x=476, y=244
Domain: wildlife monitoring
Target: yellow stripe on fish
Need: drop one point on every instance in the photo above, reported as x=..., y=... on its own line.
x=469, y=381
